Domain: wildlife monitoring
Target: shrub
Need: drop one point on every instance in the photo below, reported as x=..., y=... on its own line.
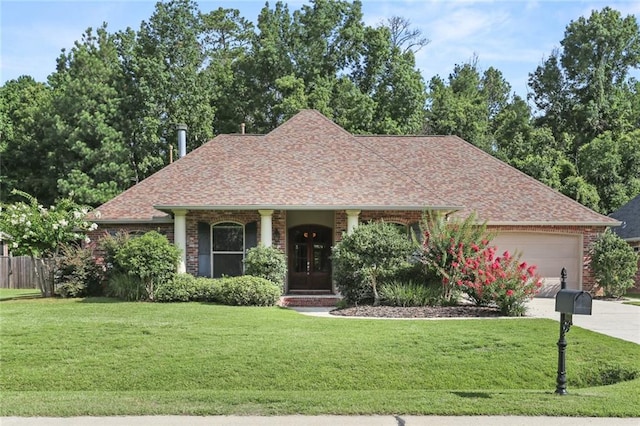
x=409, y=294
x=180, y=288
x=268, y=263
x=186, y=288
x=444, y=242
x=247, y=290
x=109, y=245
x=126, y=287
x=150, y=257
x=501, y=280
x=613, y=263
x=77, y=274
x=367, y=257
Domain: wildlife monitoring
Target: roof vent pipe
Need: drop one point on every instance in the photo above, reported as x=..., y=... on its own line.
x=182, y=140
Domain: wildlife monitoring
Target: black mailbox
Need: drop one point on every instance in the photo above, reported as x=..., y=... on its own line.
x=573, y=302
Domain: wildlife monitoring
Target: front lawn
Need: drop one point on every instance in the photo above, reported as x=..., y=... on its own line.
x=23, y=293
x=103, y=357
x=634, y=299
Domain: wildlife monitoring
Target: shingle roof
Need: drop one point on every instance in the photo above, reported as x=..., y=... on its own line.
x=311, y=163
x=629, y=215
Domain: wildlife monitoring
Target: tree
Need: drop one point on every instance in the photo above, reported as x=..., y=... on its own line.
x=612, y=165
x=92, y=158
x=35, y=231
x=582, y=88
x=24, y=152
x=365, y=258
x=404, y=37
x=467, y=104
x=614, y=264
x=227, y=39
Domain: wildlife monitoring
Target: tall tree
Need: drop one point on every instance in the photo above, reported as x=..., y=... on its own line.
x=166, y=63
x=468, y=103
x=91, y=159
x=582, y=88
x=23, y=151
x=227, y=39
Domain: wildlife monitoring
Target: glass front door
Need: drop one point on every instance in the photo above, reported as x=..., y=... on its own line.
x=309, y=258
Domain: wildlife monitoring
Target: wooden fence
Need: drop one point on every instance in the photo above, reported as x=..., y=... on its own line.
x=17, y=272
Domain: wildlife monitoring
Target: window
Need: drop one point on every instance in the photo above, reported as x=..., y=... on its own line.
x=221, y=247
x=228, y=249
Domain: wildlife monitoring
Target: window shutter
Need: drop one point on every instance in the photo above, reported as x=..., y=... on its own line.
x=204, y=249
x=250, y=235
x=415, y=230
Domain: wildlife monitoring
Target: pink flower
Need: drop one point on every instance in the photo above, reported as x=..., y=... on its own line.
x=531, y=270
x=509, y=293
x=474, y=247
x=523, y=265
x=506, y=255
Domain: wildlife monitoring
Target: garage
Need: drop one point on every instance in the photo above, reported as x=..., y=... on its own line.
x=550, y=253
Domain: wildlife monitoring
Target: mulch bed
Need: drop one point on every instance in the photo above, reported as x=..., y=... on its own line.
x=464, y=311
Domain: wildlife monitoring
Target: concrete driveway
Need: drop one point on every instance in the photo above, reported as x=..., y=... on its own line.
x=612, y=318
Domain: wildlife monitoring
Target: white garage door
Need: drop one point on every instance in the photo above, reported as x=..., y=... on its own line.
x=550, y=253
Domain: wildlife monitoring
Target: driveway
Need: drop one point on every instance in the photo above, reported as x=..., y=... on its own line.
x=612, y=318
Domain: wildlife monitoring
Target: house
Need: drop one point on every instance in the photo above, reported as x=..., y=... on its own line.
x=304, y=184
x=629, y=230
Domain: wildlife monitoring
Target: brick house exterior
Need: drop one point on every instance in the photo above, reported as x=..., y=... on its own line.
x=301, y=186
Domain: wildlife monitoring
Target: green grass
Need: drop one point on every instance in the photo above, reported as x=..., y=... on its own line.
x=25, y=293
x=102, y=357
x=635, y=299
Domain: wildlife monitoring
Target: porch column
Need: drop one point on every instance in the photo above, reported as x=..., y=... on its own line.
x=266, y=220
x=180, y=237
x=352, y=220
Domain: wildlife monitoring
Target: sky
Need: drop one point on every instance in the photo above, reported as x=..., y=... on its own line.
x=513, y=36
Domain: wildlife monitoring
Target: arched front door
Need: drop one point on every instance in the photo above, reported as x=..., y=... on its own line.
x=309, y=258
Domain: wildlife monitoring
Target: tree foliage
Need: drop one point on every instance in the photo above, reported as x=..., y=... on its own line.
x=151, y=258
x=30, y=229
x=614, y=264
x=367, y=257
x=106, y=117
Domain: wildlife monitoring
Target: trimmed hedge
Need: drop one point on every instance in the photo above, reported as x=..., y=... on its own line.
x=247, y=290
x=187, y=288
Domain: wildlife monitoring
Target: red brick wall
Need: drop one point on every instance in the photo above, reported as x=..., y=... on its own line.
x=243, y=217
x=406, y=218
x=106, y=229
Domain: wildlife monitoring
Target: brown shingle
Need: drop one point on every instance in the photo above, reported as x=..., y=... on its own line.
x=309, y=162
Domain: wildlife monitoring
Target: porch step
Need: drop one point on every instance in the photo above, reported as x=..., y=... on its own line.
x=310, y=300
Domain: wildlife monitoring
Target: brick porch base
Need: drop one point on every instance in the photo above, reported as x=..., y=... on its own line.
x=306, y=300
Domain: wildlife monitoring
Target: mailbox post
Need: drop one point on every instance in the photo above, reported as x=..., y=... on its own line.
x=568, y=303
